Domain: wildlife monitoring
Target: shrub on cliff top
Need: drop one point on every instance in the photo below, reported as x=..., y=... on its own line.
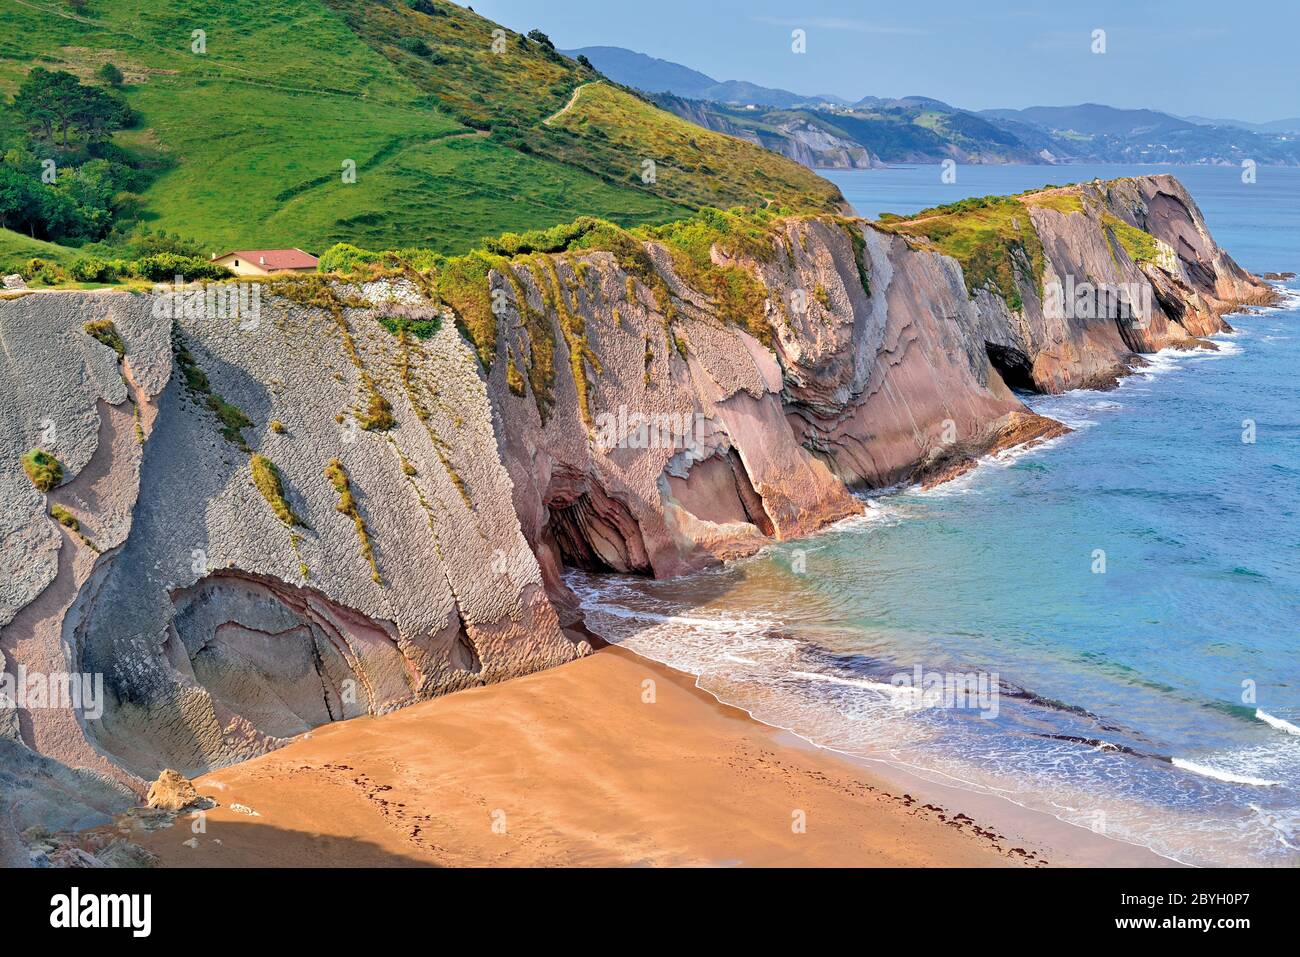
x=44, y=271
x=462, y=283
x=736, y=232
x=44, y=470
x=164, y=267
x=94, y=269
x=346, y=259
x=556, y=239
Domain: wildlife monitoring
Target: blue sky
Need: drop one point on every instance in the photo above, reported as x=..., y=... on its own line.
x=1215, y=59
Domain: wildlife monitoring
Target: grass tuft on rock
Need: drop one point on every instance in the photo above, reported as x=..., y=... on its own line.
x=515, y=379
x=347, y=505
x=44, y=470
x=232, y=418
x=266, y=477
x=65, y=518
x=106, y=332
x=377, y=416
x=70, y=522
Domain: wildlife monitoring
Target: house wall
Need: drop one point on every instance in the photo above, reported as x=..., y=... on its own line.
x=245, y=268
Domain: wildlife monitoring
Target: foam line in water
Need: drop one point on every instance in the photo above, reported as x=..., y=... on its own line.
x=894, y=691
x=1219, y=775
x=1278, y=723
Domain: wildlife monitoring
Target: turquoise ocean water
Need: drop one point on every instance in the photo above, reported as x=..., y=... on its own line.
x=1157, y=701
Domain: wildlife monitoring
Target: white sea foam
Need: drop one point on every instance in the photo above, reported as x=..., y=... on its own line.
x=1285, y=825
x=892, y=691
x=1226, y=348
x=874, y=512
x=1221, y=775
x=1075, y=409
x=1160, y=363
x=1275, y=722
x=1290, y=298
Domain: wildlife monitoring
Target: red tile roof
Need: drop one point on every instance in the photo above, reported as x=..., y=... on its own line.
x=275, y=258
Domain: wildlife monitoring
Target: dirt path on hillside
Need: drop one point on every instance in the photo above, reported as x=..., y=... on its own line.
x=573, y=98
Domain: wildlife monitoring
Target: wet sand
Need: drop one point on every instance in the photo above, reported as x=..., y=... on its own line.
x=571, y=766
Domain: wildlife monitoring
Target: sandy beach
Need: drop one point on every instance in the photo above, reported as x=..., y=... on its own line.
x=568, y=767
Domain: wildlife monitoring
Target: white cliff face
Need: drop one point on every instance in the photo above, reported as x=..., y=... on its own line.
x=668, y=440
x=218, y=630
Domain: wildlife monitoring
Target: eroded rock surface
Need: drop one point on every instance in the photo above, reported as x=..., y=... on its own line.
x=171, y=792
x=432, y=503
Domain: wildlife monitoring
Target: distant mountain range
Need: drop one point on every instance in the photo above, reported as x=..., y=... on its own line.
x=826, y=131
x=654, y=75
x=1291, y=125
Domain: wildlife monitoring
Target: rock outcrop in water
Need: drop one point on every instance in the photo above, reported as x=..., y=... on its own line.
x=332, y=508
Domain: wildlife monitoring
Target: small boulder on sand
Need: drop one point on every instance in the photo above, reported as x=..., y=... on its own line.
x=172, y=792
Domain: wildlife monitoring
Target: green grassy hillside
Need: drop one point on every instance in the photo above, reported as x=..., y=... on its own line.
x=452, y=139
x=16, y=248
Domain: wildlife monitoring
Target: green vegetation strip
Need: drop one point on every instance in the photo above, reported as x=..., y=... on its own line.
x=347, y=505
x=266, y=478
x=463, y=283
x=1141, y=246
x=233, y=420
x=106, y=332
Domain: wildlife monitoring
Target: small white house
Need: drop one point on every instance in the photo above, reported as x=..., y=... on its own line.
x=263, y=262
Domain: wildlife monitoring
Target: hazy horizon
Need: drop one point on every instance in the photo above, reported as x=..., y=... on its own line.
x=1176, y=57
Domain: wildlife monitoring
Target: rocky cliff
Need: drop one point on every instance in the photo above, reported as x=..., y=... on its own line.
x=339, y=503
